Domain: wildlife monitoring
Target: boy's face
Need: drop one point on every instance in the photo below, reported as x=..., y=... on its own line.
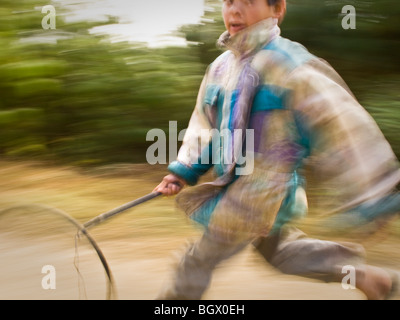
x=240, y=14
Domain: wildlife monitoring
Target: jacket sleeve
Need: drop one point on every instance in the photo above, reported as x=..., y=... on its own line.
x=348, y=152
x=194, y=156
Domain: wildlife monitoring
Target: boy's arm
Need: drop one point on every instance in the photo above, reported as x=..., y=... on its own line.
x=189, y=167
x=347, y=149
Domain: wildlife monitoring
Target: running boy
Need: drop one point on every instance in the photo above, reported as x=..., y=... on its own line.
x=298, y=108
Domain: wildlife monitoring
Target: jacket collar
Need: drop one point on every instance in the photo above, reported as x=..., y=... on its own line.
x=250, y=39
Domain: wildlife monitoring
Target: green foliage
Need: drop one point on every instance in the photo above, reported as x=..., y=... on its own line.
x=370, y=48
x=75, y=97
x=78, y=98
x=381, y=98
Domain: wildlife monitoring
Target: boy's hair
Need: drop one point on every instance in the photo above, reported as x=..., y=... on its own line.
x=274, y=3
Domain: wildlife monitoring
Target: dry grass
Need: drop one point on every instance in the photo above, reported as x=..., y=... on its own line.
x=144, y=238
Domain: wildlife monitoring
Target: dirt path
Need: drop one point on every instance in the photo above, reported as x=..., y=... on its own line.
x=140, y=246
x=140, y=274
x=243, y=277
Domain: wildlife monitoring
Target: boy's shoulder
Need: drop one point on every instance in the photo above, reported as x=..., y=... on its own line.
x=280, y=52
x=288, y=51
x=276, y=61
x=284, y=54
x=222, y=58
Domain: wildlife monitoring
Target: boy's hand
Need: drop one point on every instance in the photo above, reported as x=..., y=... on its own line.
x=170, y=185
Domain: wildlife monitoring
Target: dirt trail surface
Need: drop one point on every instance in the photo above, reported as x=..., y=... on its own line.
x=140, y=245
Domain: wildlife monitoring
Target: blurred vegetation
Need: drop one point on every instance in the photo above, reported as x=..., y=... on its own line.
x=73, y=97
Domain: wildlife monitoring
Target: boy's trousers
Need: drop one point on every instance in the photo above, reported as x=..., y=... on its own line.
x=290, y=251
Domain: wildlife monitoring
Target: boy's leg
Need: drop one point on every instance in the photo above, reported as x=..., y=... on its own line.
x=192, y=275
x=292, y=252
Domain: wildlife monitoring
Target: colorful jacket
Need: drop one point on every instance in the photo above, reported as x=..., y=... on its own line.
x=300, y=112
